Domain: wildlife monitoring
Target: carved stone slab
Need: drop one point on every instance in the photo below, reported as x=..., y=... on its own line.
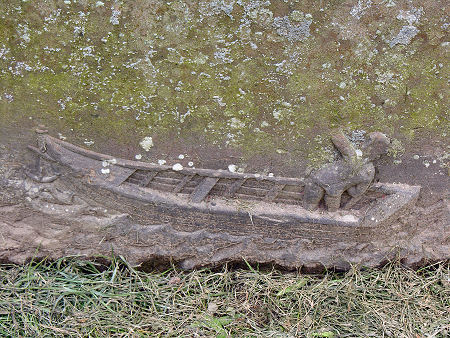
x=146, y=212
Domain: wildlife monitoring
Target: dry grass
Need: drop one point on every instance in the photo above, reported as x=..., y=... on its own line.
x=76, y=298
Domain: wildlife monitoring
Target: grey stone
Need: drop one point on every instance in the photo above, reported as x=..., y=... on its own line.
x=352, y=174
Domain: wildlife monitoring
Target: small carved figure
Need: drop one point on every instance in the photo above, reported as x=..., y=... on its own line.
x=352, y=174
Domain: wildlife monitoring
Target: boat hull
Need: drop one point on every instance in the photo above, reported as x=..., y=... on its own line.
x=85, y=170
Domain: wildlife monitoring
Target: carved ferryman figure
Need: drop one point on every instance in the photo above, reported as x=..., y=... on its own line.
x=352, y=174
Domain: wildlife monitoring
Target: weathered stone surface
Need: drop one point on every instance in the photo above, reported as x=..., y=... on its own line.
x=38, y=229
x=70, y=217
x=353, y=173
x=254, y=86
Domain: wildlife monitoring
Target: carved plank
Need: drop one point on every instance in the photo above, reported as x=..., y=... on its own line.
x=183, y=183
x=120, y=175
x=235, y=187
x=273, y=193
x=149, y=178
x=203, y=189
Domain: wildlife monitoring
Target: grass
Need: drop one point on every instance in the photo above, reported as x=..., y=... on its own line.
x=75, y=298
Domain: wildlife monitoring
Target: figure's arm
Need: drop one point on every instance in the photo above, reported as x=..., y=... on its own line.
x=356, y=192
x=358, y=189
x=344, y=146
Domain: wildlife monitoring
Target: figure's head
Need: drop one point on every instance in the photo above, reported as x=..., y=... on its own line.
x=376, y=145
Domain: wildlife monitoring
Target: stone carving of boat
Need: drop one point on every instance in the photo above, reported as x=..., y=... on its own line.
x=234, y=203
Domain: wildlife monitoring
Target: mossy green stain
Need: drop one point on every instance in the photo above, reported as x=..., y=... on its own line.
x=252, y=93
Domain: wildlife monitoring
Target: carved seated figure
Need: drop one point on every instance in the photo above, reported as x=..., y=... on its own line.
x=353, y=173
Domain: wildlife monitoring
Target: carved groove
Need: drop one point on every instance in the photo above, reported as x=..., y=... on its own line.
x=183, y=183
x=273, y=193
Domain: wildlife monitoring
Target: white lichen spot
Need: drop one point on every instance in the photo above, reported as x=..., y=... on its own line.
x=146, y=143
x=404, y=37
x=223, y=55
x=181, y=156
x=259, y=14
x=270, y=175
x=87, y=51
x=3, y=52
x=390, y=3
x=385, y=77
x=411, y=16
x=232, y=168
x=177, y=167
x=264, y=124
x=162, y=162
x=235, y=123
x=191, y=164
x=215, y=7
x=200, y=59
x=24, y=32
x=138, y=156
x=99, y=4
x=416, y=157
x=174, y=56
x=219, y=100
x=358, y=152
x=297, y=16
x=277, y=114
x=360, y=8
x=114, y=19
x=78, y=30
x=8, y=97
x=292, y=32
x=342, y=85
x=105, y=171
x=106, y=163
